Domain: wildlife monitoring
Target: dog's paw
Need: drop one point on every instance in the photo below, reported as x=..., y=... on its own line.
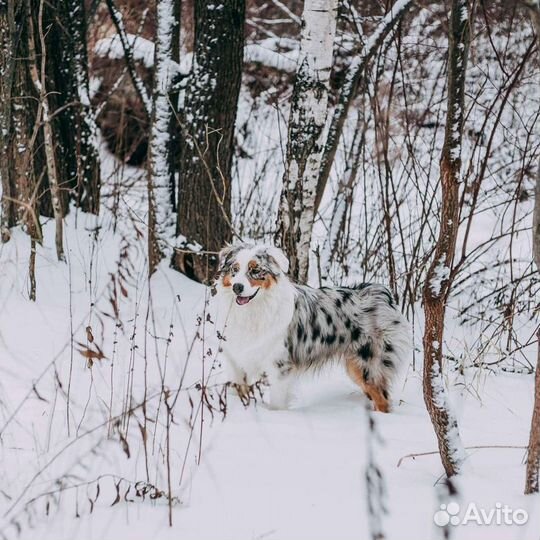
x=275, y=406
x=241, y=389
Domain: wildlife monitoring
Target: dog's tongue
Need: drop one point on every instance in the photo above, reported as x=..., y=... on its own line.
x=242, y=300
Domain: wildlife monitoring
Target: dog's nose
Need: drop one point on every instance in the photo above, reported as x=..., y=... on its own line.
x=237, y=288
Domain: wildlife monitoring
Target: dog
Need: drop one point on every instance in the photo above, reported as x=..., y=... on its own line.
x=279, y=329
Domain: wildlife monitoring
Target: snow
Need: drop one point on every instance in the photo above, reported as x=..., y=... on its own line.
x=266, y=52
x=276, y=474
x=441, y=273
x=143, y=52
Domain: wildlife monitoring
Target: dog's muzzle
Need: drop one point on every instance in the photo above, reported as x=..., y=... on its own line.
x=243, y=300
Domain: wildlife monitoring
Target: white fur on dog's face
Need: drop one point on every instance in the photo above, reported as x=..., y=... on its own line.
x=249, y=271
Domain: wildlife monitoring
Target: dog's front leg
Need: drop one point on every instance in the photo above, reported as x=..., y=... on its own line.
x=237, y=378
x=281, y=380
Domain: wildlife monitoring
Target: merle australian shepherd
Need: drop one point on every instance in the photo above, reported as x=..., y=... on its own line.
x=277, y=328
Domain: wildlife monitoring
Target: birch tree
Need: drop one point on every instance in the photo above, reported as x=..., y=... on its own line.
x=38, y=74
x=209, y=114
x=356, y=73
x=305, y=140
x=533, y=452
x=160, y=170
x=439, y=276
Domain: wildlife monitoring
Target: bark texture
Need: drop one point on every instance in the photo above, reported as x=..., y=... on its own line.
x=160, y=169
x=305, y=141
x=21, y=160
x=532, y=484
x=84, y=147
x=209, y=116
x=43, y=116
x=533, y=453
x=439, y=277
x=47, y=124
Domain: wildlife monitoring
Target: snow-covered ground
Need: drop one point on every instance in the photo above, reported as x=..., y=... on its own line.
x=72, y=472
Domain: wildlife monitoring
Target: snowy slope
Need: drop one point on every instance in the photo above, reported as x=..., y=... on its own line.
x=263, y=474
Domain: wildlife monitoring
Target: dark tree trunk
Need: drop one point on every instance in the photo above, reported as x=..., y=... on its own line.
x=439, y=276
x=73, y=126
x=209, y=115
x=21, y=157
x=85, y=147
x=7, y=61
x=533, y=450
x=48, y=152
x=533, y=453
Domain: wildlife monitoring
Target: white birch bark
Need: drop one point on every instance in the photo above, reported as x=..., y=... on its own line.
x=159, y=185
x=43, y=114
x=355, y=73
x=306, y=132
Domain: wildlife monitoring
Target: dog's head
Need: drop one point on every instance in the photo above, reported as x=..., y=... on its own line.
x=248, y=271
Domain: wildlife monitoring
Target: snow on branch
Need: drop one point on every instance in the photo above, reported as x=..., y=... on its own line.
x=159, y=182
x=138, y=84
x=142, y=50
x=266, y=52
x=355, y=73
x=441, y=402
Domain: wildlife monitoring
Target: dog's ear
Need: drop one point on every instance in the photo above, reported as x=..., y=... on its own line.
x=279, y=257
x=224, y=254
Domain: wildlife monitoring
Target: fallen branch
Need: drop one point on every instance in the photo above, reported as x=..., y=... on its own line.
x=477, y=447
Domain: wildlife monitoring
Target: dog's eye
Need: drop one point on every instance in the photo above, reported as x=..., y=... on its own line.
x=257, y=272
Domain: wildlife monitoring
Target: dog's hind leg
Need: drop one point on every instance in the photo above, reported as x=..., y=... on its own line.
x=280, y=393
x=376, y=390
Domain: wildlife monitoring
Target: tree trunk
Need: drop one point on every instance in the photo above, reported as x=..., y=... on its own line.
x=305, y=139
x=48, y=150
x=160, y=165
x=7, y=61
x=21, y=160
x=533, y=453
x=209, y=115
x=355, y=74
x=72, y=122
x=439, y=276
x=43, y=116
x=85, y=149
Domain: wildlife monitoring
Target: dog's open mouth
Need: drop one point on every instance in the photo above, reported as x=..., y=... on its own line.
x=243, y=300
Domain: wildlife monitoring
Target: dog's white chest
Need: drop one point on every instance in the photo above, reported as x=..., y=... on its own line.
x=255, y=335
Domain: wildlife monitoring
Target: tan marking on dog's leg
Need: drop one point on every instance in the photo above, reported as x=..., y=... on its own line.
x=373, y=391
